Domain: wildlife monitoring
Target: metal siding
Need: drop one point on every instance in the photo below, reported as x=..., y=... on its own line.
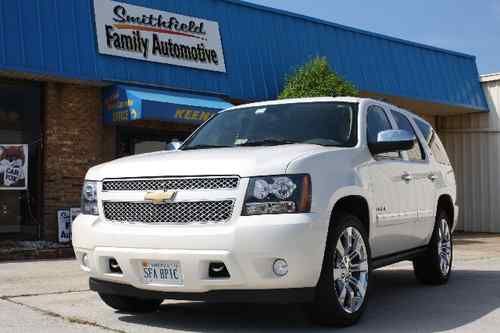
x=29, y=34
x=12, y=34
x=473, y=144
x=261, y=46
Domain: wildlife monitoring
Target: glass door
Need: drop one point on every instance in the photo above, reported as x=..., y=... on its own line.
x=20, y=151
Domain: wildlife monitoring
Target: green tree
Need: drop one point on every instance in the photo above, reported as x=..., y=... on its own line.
x=317, y=79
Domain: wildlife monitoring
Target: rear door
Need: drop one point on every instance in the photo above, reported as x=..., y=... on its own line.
x=441, y=172
x=422, y=173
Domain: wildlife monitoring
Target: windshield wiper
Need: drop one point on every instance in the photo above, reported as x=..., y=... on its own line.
x=268, y=142
x=195, y=147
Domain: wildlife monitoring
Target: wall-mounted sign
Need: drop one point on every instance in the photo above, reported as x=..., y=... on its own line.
x=65, y=218
x=147, y=34
x=64, y=222
x=13, y=167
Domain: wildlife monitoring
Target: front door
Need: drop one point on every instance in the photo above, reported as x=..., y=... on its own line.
x=395, y=207
x=393, y=195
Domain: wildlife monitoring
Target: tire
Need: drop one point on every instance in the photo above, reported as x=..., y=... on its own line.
x=334, y=304
x=131, y=304
x=435, y=266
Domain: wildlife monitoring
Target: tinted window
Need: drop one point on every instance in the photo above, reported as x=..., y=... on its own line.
x=434, y=142
x=331, y=124
x=417, y=152
x=425, y=128
x=377, y=122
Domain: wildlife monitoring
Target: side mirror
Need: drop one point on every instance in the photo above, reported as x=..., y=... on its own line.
x=173, y=145
x=391, y=141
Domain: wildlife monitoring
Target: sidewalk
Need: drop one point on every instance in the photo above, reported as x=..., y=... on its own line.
x=474, y=246
x=34, y=250
x=53, y=296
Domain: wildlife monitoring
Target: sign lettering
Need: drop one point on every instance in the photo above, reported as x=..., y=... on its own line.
x=147, y=34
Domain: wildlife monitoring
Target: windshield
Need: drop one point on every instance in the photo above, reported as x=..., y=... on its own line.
x=325, y=123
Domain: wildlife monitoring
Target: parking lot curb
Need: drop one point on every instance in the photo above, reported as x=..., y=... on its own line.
x=15, y=254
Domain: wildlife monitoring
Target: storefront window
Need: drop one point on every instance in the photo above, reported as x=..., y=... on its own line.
x=19, y=159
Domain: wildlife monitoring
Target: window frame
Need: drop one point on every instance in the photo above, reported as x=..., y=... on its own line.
x=423, y=145
x=390, y=119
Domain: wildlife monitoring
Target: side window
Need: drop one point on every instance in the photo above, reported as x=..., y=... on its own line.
x=434, y=142
x=417, y=152
x=377, y=121
x=425, y=128
x=438, y=150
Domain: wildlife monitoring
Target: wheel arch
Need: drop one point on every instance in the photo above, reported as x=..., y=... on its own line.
x=446, y=202
x=356, y=205
x=344, y=199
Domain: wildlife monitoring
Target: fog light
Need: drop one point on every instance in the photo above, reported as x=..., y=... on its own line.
x=114, y=267
x=280, y=267
x=85, y=260
x=217, y=270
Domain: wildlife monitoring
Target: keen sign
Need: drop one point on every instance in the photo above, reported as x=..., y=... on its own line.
x=146, y=34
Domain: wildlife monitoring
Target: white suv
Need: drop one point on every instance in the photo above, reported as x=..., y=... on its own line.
x=282, y=201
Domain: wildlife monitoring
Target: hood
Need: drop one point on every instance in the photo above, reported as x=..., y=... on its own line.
x=241, y=161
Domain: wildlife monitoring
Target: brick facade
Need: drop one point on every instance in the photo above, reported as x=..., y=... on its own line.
x=74, y=140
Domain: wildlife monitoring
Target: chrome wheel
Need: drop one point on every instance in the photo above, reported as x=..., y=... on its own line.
x=350, y=270
x=444, y=247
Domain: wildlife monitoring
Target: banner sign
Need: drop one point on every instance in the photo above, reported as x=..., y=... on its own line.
x=65, y=218
x=141, y=33
x=13, y=167
x=122, y=104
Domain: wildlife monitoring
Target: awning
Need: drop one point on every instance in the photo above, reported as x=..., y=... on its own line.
x=127, y=103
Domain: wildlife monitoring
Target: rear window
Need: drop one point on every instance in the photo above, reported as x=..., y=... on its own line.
x=433, y=142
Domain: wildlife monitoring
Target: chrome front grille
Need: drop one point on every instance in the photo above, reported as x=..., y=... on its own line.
x=162, y=184
x=184, y=212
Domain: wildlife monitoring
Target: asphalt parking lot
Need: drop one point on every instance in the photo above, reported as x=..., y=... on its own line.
x=53, y=296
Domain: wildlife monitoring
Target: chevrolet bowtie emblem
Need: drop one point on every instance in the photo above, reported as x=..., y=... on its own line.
x=160, y=197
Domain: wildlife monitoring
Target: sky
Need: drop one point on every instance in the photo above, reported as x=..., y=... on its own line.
x=468, y=26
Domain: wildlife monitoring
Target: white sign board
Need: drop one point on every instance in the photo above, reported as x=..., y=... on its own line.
x=142, y=33
x=13, y=167
x=65, y=218
x=64, y=221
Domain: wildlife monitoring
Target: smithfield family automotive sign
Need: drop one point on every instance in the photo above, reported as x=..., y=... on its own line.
x=146, y=34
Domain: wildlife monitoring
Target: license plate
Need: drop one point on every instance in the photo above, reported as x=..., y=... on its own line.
x=166, y=272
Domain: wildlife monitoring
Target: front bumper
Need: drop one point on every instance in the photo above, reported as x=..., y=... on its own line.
x=275, y=296
x=248, y=246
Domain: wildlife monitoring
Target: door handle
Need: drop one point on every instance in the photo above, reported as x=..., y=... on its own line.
x=433, y=177
x=406, y=177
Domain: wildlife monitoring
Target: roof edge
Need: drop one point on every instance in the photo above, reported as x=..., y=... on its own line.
x=349, y=28
x=489, y=77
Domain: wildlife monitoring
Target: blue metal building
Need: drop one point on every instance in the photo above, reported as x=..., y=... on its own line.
x=261, y=45
x=85, y=81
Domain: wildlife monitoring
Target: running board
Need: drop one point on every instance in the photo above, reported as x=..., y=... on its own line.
x=397, y=257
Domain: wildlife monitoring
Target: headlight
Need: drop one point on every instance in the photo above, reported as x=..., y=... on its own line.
x=89, y=198
x=278, y=195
